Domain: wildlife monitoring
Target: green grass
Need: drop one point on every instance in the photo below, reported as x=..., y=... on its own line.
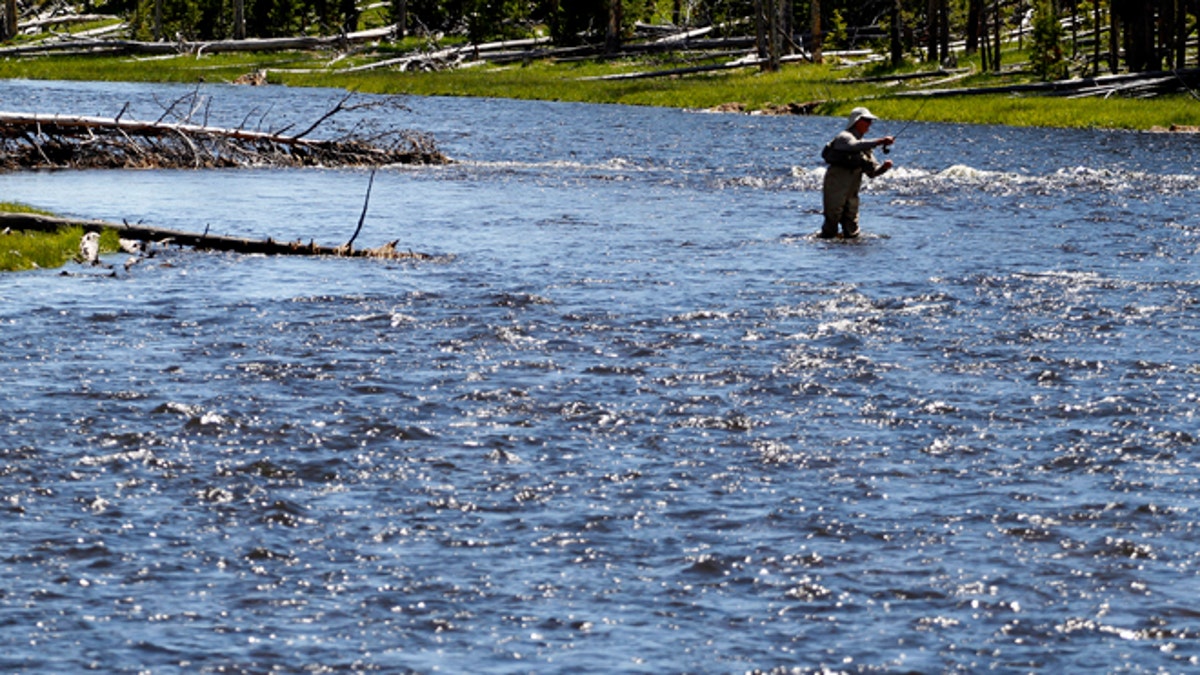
x=20, y=251
x=796, y=82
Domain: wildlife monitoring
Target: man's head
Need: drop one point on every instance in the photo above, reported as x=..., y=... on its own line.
x=861, y=116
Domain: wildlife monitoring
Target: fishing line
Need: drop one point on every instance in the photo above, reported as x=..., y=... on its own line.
x=1182, y=81
x=915, y=115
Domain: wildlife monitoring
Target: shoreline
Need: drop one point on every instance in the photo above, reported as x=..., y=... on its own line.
x=797, y=88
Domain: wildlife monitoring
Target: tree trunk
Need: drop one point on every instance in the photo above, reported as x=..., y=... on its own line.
x=974, y=19
x=1114, y=41
x=897, y=44
x=998, y=29
x=10, y=20
x=401, y=18
x=760, y=28
x=931, y=31
x=773, y=34
x=817, y=36
x=349, y=16
x=1164, y=45
x=239, y=19
x=1074, y=29
x=786, y=27
x=1181, y=33
x=1141, y=41
x=612, y=42
x=944, y=29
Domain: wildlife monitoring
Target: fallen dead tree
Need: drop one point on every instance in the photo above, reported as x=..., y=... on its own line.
x=901, y=77
x=39, y=23
x=1126, y=84
x=76, y=44
x=40, y=141
x=205, y=241
x=745, y=61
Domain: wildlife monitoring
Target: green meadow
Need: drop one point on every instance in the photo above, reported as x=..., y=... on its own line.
x=823, y=84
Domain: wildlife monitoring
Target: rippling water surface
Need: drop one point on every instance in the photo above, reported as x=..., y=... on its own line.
x=634, y=419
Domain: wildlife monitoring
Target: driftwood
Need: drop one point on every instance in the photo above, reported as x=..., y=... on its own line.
x=749, y=61
x=1126, y=84
x=77, y=44
x=38, y=141
x=452, y=56
x=205, y=241
x=41, y=22
x=940, y=72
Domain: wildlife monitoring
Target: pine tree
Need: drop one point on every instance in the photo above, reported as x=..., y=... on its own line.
x=1047, y=55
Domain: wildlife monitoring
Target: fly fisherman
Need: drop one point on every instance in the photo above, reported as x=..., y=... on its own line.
x=849, y=156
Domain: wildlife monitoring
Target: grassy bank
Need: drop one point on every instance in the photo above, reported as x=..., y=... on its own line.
x=20, y=251
x=799, y=83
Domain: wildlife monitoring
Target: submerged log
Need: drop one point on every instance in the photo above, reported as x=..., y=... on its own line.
x=205, y=241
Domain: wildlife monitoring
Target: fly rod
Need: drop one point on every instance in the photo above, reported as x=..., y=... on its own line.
x=915, y=115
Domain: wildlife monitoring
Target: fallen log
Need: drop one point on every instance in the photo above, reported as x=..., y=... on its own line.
x=41, y=22
x=205, y=241
x=745, y=62
x=453, y=56
x=899, y=77
x=197, y=47
x=40, y=141
x=1158, y=81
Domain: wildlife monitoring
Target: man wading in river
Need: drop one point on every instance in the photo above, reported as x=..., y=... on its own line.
x=849, y=156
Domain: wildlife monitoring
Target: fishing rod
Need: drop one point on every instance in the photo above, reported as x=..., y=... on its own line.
x=888, y=148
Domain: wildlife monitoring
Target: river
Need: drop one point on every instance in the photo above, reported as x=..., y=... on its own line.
x=634, y=418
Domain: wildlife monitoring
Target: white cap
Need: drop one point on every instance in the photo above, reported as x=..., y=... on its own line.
x=860, y=114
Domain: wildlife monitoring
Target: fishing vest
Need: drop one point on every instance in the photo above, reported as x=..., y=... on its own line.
x=843, y=158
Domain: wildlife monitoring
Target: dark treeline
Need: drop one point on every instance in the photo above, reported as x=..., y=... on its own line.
x=1138, y=35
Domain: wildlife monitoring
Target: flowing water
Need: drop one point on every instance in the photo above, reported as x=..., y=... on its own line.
x=634, y=418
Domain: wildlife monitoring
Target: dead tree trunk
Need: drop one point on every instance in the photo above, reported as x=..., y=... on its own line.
x=760, y=28
x=997, y=28
x=239, y=19
x=897, y=47
x=973, y=20
x=205, y=241
x=817, y=36
x=1114, y=41
x=772, y=28
x=34, y=141
x=612, y=41
x=932, y=31
x=10, y=20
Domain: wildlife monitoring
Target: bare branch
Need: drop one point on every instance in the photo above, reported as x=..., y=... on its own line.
x=335, y=110
x=363, y=216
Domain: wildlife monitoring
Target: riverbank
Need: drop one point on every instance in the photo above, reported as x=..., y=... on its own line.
x=828, y=89
x=22, y=251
